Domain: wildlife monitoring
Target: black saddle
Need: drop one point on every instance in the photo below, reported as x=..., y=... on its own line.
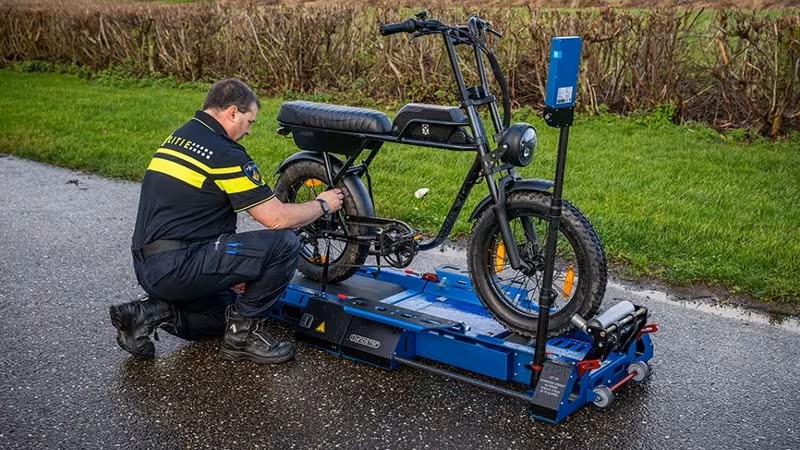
x=334, y=117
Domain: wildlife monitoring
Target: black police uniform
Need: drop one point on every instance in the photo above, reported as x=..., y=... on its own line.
x=185, y=247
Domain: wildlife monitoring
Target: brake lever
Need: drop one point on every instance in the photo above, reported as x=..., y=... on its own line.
x=494, y=32
x=415, y=35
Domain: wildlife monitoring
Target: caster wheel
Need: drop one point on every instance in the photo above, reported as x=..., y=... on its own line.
x=641, y=369
x=604, y=396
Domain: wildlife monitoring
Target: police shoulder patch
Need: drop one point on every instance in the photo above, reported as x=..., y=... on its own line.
x=252, y=173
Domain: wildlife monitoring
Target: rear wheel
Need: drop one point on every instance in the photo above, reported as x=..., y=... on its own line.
x=301, y=182
x=511, y=296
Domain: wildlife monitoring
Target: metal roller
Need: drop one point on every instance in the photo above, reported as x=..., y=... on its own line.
x=612, y=315
x=578, y=322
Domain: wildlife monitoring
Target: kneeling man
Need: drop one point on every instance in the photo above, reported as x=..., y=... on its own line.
x=203, y=278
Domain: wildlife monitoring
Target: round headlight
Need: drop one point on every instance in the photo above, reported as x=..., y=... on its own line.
x=519, y=142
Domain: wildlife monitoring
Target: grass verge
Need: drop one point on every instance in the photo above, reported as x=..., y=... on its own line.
x=682, y=204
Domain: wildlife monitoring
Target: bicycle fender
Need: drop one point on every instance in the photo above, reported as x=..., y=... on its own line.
x=308, y=156
x=513, y=186
x=353, y=182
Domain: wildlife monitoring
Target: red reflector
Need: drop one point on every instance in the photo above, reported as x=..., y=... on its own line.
x=341, y=296
x=409, y=271
x=427, y=276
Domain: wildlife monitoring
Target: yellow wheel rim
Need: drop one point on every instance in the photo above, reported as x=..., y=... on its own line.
x=499, y=257
x=569, y=278
x=317, y=260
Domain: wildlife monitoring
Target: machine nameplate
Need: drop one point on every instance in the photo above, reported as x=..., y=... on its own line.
x=550, y=389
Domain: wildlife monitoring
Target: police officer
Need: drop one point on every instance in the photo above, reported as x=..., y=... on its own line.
x=187, y=254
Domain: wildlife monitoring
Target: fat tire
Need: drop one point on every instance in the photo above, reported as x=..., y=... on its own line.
x=354, y=255
x=579, y=232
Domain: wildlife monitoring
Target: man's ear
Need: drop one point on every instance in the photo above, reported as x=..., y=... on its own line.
x=230, y=112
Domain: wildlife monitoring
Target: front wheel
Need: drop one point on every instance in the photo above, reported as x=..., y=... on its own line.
x=512, y=297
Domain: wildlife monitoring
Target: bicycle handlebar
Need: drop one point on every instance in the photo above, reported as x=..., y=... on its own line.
x=406, y=26
x=470, y=32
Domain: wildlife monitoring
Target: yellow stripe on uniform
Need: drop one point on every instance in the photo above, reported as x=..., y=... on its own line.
x=198, y=164
x=236, y=185
x=178, y=171
x=254, y=204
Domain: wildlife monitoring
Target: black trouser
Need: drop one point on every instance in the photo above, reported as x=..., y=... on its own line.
x=197, y=280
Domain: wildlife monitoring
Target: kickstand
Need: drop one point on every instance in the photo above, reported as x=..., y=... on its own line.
x=325, y=266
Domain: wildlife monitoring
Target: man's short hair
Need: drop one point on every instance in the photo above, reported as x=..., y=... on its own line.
x=230, y=91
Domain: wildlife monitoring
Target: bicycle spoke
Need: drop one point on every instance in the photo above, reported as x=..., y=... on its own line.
x=530, y=233
x=524, y=289
x=306, y=191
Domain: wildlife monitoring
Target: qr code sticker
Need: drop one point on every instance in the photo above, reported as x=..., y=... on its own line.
x=564, y=95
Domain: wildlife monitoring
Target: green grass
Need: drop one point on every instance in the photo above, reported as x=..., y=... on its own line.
x=677, y=202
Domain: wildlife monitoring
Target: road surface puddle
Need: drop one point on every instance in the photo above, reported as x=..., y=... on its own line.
x=714, y=306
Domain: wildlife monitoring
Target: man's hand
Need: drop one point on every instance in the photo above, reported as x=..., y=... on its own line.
x=238, y=288
x=333, y=198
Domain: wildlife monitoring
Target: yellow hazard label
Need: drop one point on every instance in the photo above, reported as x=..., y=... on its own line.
x=320, y=328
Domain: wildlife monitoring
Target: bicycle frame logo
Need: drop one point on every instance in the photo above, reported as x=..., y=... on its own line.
x=426, y=129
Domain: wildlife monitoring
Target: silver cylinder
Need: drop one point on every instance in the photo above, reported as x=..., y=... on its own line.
x=578, y=322
x=612, y=315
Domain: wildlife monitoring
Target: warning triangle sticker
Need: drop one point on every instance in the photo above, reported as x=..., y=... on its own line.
x=320, y=328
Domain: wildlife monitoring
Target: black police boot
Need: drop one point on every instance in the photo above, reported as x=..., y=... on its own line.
x=136, y=321
x=246, y=338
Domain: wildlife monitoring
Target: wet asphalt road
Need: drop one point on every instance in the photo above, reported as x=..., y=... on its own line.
x=718, y=382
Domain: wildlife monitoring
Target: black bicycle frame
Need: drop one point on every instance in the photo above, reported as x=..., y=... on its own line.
x=483, y=165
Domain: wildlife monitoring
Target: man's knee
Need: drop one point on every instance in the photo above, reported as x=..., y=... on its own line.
x=287, y=241
x=273, y=237
x=294, y=242
x=281, y=247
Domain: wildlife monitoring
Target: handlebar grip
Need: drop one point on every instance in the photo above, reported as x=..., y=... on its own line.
x=406, y=26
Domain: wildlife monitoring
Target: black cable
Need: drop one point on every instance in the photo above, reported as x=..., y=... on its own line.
x=496, y=69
